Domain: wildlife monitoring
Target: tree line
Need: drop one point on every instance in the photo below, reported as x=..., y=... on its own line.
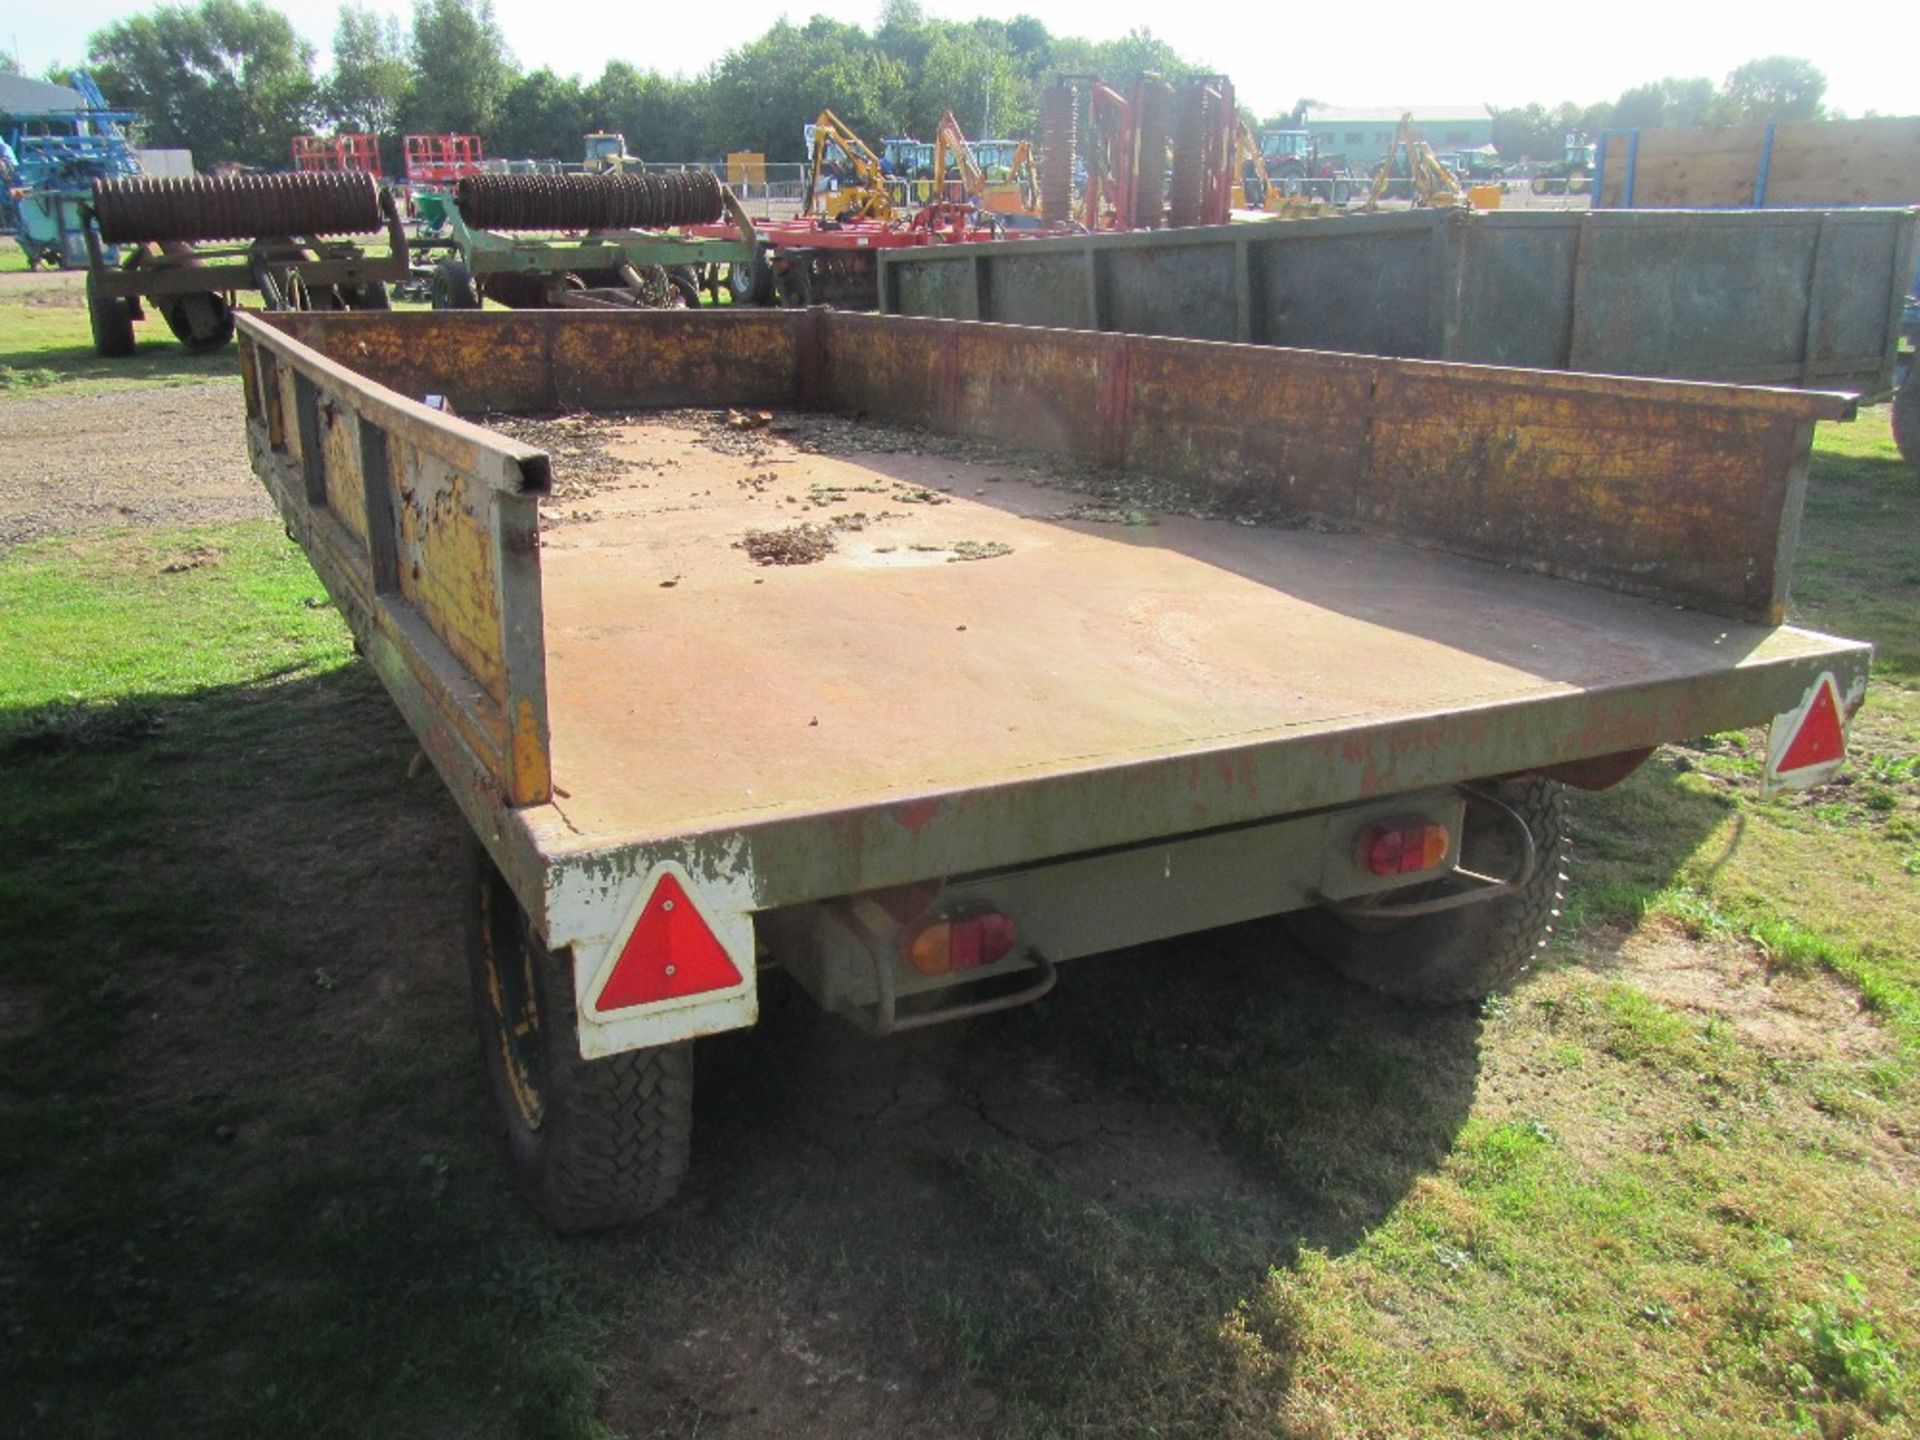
x=232, y=80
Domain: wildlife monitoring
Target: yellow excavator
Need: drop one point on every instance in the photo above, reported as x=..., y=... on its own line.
x=1018, y=193
x=1255, y=189
x=849, y=187
x=1411, y=163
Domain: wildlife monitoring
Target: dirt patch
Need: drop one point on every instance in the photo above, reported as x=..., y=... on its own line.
x=1810, y=1017
x=830, y=1356
x=58, y=290
x=132, y=458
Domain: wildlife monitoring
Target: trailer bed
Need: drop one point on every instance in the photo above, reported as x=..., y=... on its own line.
x=693, y=690
x=1458, y=572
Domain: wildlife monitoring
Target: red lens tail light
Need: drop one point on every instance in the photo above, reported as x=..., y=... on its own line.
x=1403, y=849
x=958, y=942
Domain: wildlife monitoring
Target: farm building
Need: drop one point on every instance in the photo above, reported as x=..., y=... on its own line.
x=1363, y=133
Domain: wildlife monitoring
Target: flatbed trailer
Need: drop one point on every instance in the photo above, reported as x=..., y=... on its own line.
x=1206, y=633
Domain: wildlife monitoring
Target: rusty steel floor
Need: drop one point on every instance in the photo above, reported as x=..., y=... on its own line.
x=691, y=688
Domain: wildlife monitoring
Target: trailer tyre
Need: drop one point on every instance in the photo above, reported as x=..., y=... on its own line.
x=591, y=1144
x=111, y=317
x=453, y=287
x=1464, y=954
x=1906, y=416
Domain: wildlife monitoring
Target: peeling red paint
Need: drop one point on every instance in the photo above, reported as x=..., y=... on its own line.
x=915, y=815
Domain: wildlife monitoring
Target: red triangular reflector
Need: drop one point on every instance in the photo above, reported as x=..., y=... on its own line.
x=671, y=953
x=1820, y=738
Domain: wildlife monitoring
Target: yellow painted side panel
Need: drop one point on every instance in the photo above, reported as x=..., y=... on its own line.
x=346, y=489
x=446, y=567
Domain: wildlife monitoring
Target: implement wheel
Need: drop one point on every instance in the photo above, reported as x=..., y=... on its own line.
x=751, y=282
x=1463, y=954
x=453, y=287
x=1906, y=416
x=367, y=295
x=111, y=317
x=203, y=323
x=591, y=1144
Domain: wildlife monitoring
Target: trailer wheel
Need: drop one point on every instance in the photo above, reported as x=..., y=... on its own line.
x=591, y=1144
x=111, y=317
x=1456, y=955
x=686, y=291
x=453, y=287
x=203, y=323
x=1906, y=415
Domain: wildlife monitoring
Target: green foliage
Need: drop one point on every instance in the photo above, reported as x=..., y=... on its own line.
x=1779, y=87
x=763, y=93
x=461, y=68
x=371, y=77
x=226, y=79
x=1846, y=1357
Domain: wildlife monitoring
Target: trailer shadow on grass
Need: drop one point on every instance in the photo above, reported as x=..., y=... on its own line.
x=250, y=1190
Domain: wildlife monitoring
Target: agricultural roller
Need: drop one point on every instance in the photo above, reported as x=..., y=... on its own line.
x=609, y=239
x=188, y=246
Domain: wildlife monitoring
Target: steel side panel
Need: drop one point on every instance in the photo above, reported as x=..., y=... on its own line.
x=1700, y=294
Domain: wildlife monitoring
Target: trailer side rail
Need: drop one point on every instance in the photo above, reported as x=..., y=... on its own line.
x=424, y=529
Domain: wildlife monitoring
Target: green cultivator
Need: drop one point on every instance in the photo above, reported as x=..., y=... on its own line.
x=188, y=246
x=544, y=241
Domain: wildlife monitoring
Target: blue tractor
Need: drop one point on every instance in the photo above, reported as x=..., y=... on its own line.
x=51, y=157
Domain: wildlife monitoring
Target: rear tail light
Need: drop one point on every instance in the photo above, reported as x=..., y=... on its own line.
x=958, y=942
x=1403, y=849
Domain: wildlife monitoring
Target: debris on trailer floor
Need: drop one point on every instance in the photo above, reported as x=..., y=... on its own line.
x=592, y=451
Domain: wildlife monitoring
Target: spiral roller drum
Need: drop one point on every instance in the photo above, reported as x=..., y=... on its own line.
x=589, y=202
x=142, y=210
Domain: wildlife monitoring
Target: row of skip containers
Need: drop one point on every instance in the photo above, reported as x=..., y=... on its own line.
x=1778, y=297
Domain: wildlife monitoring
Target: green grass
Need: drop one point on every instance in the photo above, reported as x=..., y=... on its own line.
x=1663, y=1187
x=46, y=345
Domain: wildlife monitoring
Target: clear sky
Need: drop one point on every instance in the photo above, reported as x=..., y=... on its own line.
x=1368, y=52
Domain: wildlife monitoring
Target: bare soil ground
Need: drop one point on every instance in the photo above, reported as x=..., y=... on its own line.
x=135, y=457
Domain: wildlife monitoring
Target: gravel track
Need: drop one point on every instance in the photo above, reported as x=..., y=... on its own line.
x=174, y=456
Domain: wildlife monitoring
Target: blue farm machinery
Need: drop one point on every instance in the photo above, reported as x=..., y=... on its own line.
x=50, y=158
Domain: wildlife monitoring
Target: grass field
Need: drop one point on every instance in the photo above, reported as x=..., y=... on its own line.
x=1664, y=1187
x=46, y=346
